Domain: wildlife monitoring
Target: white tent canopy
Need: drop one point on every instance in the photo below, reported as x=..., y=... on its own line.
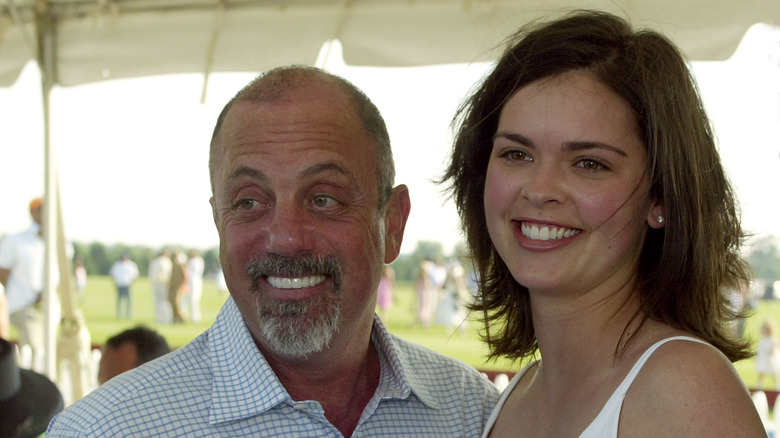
x=94, y=40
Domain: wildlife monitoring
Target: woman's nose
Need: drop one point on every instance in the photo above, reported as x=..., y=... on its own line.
x=543, y=184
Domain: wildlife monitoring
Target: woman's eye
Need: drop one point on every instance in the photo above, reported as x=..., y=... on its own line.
x=515, y=155
x=590, y=164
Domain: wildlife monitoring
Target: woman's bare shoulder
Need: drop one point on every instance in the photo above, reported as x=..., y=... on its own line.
x=687, y=388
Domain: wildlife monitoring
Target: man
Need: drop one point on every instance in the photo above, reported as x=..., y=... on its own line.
x=195, y=267
x=303, y=200
x=129, y=349
x=124, y=272
x=160, y=276
x=177, y=285
x=21, y=273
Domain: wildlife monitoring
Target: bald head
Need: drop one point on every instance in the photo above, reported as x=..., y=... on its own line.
x=278, y=84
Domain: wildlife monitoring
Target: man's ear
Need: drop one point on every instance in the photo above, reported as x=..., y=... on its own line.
x=396, y=214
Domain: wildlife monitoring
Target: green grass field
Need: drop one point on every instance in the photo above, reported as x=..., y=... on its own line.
x=99, y=306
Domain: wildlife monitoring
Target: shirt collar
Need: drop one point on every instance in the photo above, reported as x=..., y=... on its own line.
x=245, y=385
x=398, y=379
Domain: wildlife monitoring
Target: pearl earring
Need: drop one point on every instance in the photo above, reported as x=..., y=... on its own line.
x=660, y=219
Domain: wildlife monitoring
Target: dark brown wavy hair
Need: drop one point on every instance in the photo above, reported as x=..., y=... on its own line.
x=688, y=268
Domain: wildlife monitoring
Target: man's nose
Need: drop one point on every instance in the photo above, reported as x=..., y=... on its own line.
x=290, y=230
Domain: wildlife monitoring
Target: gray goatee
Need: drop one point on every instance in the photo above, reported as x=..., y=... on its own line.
x=297, y=328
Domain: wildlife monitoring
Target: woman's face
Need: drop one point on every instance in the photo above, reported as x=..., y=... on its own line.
x=566, y=191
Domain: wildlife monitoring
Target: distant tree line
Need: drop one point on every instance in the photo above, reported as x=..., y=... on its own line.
x=98, y=258
x=406, y=266
x=763, y=256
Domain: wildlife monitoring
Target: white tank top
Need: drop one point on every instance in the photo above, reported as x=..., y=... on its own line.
x=605, y=425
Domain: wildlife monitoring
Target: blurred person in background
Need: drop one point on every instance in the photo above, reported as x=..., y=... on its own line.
x=129, y=349
x=160, y=277
x=384, y=296
x=768, y=355
x=177, y=286
x=195, y=268
x=124, y=272
x=80, y=273
x=22, y=275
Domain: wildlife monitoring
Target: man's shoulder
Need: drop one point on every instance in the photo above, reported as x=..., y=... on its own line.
x=183, y=366
x=13, y=246
x=423, y=361
x=416, y=352
x=448, y=384
x=178, y=381
x=19, y=238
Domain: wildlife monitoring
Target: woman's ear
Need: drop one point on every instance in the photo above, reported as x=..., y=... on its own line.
x=656, y=218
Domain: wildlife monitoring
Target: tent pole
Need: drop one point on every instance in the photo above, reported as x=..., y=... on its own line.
x=209, y=65
x=44, y=25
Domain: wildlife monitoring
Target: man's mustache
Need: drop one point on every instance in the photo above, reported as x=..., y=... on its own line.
x=296, y=266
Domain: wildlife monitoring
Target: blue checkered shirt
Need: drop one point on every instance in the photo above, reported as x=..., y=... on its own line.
x=220, y=385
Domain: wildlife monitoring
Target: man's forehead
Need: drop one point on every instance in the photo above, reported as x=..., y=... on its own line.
x=318, y=118
x=307, y=122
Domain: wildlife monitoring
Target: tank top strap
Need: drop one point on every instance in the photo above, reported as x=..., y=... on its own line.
x=646, y=355
x=606, y=422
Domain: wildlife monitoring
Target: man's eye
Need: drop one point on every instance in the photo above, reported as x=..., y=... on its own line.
x=323, y=201
x=245, y=204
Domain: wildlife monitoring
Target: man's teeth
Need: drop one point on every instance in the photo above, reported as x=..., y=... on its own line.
x=295, y=283
x=546, y=232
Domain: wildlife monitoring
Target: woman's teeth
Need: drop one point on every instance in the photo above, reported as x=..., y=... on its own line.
x=546, y=232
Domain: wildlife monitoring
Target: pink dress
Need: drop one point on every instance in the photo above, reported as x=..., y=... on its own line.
x=384, y=298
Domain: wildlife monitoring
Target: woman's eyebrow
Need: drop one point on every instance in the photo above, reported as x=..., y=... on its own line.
x=577, y=146
x=513, y=137
x=572, y=146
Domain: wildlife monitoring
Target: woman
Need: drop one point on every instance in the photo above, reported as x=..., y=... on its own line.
x=384, y=296
x=768, y=355
x=605, y=234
